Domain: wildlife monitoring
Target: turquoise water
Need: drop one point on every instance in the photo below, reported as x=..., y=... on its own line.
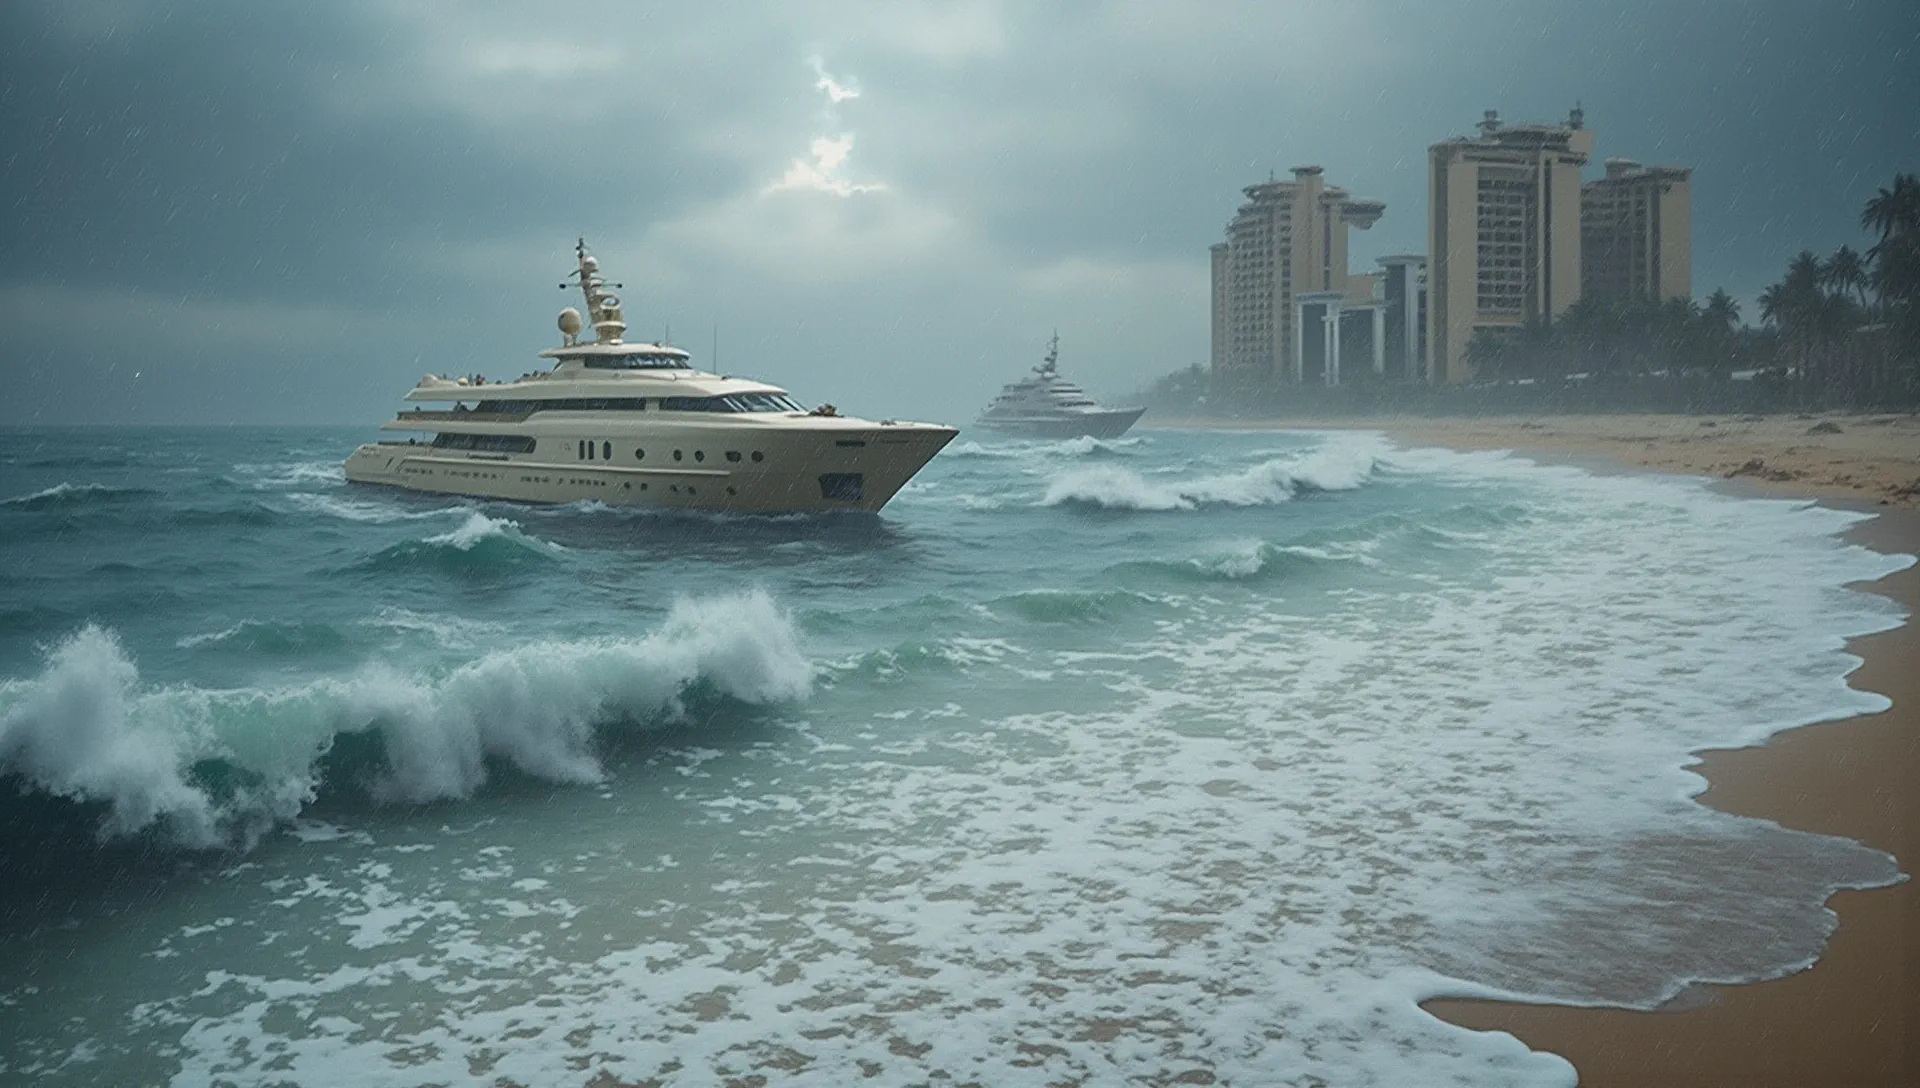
x=1187, y=754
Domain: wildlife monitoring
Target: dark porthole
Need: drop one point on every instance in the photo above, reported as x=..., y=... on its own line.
x=758, y=456
x=731, y=491
x=606, y=451
x=691, y=491
x=678, y=456
x=675, y=488
x=643, y=487
x=733, y=455
x=699, y=455
x=639, y=455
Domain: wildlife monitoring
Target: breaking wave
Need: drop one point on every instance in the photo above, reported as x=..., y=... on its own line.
x=210, y=768
x=1111, y=487
x=270, y=637
x=65, y=496
x=477, y=545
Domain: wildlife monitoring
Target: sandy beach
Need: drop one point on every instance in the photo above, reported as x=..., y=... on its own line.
x=1852, y=1019
x=1869, y=459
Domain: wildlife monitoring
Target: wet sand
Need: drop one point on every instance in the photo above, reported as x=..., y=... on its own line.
x=1853, y=1018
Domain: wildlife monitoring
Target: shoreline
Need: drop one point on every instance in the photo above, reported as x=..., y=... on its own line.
x=1872, y=459
x=1853, y=1016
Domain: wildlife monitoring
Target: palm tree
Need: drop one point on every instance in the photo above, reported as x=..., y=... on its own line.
x=1846, y=271
x=1795, y=306
x=1895, y=209
x=1721, y=312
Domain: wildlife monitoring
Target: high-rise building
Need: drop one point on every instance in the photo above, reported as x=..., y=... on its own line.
x=1289, y=238
x=1403, y=295
x=1503, y=233
x=1636, y=233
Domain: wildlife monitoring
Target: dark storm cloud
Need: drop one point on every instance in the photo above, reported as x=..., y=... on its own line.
x=287, y=212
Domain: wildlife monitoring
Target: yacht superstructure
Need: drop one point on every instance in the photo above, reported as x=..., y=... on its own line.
x=634, y=424
x=1048, y=406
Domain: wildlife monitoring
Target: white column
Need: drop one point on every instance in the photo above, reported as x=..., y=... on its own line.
x=1410, y=349
x=1331, y=322
x=1299, y=340
x=1379, y=338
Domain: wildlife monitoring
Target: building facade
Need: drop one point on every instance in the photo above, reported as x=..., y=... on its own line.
x=1288, y=239
x=1636, y=234
x=1403, y=296
x=1503, y=233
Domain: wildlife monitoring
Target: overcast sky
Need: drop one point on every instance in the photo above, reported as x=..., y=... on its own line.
x=253, y=212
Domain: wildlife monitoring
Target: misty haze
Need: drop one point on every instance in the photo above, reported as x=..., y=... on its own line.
x=959, y=542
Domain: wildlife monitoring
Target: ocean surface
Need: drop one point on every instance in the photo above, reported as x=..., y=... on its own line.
x=1187, y=755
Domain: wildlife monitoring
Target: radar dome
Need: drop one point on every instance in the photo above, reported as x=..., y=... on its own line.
x=590, y=263
x=570, y=322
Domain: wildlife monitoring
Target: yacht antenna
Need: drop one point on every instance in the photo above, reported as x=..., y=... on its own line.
x=1045, y=369
x=603, y=306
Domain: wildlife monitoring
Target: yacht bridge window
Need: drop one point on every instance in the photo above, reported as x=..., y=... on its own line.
x=737, y=402
x=637, y=361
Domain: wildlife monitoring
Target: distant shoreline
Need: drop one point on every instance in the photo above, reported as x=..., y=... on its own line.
x=1872, y=459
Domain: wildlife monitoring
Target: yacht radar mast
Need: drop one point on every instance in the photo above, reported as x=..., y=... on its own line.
x=603, y=306
x=1048, y=365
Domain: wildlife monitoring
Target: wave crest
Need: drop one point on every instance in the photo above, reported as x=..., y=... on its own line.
x=1338, y=467
x=209, y=768
x=477, y=545
x=63, y=495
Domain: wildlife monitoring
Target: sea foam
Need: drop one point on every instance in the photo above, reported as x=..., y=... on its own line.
x=1336, y=467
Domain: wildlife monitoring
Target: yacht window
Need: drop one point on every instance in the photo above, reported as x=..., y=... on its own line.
x=636, y=361
x=852, y=443
x=639, y=455
x=733, y=455
x=758, y=456
x=677, y=455
x=565, y=404
x=589, y=449
x=761, y=402
x=699, y=455
x=737, y=402
x=606, y=451
x=489, y=443
x=581, y=452
x=841, y=486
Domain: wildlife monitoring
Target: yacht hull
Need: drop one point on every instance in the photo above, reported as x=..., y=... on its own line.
x=797, y=470
x=1084, y=425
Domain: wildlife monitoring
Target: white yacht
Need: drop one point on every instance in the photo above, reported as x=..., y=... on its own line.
x=633, y=424
x=1048, y=406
